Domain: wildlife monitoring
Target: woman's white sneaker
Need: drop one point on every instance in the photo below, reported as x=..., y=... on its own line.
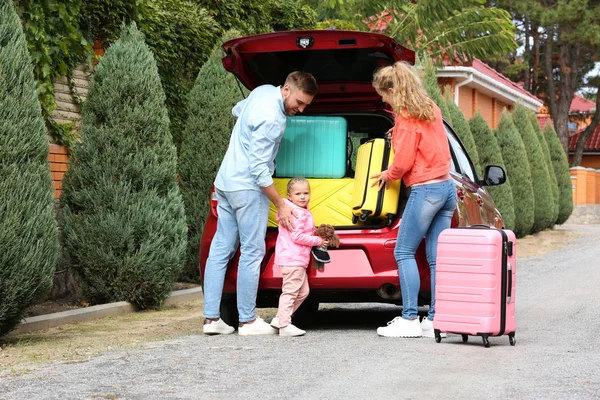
x=400, y=327
x=291, y=330
x=427, y=328
x=258, y=327
x=218, y=327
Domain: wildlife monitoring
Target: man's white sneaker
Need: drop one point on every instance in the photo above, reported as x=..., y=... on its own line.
x=258, y=327
x=217, y=327
x=275, y=322
x=400, y=327
x=427, y=328
x=291, y=330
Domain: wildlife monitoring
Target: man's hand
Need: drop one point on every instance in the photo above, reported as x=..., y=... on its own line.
x=381, y=179
x=286, y=215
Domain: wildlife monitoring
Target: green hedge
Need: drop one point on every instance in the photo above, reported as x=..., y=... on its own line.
x=540, y=178
x=490, y=154
x=28, y=229
x=125, y=224
x=205, y=141
x=560, y=166
x=517, y=168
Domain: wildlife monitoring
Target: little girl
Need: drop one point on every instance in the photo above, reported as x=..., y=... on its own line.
x=292, y=254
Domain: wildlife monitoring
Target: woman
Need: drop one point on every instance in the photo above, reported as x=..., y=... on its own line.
x=422, y=160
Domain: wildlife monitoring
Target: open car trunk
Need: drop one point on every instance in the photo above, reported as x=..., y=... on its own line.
x=331, y=196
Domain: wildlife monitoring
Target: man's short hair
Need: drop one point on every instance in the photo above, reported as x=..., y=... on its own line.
x=303, y=81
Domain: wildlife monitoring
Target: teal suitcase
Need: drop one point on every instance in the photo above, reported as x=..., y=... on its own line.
x=313, y=147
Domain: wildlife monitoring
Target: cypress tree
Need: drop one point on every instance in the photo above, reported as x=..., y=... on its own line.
x=125, y=224
x=28, y=229
x=560, y=166
x=205, y=140
x=517, y=168
x=432, y=88
x=553, y=181
x=490, y=154
x=461, y=127
x=540, y=178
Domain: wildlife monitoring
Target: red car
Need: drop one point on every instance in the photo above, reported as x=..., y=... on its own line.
x=363, y=268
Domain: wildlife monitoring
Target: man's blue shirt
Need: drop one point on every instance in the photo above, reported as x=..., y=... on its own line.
x=249, y=162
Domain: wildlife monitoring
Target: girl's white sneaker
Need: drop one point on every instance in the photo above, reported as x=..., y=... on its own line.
x=291, y=330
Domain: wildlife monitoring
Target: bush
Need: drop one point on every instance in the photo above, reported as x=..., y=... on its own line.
x=540, y=179
x=28, y=229
x=124, y=216
x=205, y=141
x=431, y=86
x=288, y=15
x=490, y=154
x=461, y=127
x=560, y=166
x=553, y=182
x=337, y=24
x=517, y=168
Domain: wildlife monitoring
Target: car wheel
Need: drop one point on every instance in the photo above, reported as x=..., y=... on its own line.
x=228, y=309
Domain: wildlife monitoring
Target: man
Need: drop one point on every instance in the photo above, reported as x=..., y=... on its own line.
x=244, y=186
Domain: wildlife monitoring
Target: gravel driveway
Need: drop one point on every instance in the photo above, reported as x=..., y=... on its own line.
x=557, y=355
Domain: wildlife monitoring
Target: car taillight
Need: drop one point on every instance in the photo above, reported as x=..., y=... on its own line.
x=213, y=202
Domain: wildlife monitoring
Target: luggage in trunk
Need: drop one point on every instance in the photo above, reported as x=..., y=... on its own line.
x=475, y=283
x=313, y=147
x=368, y=202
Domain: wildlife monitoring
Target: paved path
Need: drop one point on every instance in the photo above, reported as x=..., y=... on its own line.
x=557, y=355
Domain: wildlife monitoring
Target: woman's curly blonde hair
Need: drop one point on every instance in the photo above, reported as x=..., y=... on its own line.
x=409, y=96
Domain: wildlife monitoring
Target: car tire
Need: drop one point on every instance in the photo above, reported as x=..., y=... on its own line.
x=228, y=309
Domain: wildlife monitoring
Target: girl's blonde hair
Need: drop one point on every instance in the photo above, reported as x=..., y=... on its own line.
x=293, y=181
x=409, y=95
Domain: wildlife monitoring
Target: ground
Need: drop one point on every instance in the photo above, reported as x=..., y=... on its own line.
x=73, y=343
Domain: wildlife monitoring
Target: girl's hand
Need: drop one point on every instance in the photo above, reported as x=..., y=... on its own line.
x=324, y=243
x=381, y=179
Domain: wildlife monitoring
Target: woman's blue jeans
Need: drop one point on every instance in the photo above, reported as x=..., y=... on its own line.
x=243, y=217
x=428, y=212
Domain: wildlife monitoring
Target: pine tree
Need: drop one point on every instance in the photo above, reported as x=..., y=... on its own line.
x=28, y=229
x=490, y=154
x=560, y=166
x=125, y=224
x=553, y=181
x=540, y=178
x=517, y=168
x=462, y=129
x=205, y=141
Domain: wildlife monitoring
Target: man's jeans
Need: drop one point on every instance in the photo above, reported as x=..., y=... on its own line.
x=242, y=220
x=428, y=212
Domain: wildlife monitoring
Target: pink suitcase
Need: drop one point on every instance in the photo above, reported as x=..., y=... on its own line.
x=475, y=283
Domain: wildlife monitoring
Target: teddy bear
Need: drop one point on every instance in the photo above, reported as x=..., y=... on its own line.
x=320, y=254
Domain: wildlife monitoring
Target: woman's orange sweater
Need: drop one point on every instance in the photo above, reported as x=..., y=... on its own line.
x=421, y=149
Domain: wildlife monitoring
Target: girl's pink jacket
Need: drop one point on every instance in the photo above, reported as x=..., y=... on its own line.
x=292, y=249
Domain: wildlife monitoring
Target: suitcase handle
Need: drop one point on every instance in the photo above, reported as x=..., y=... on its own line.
x=509, y=285
x=480, y=226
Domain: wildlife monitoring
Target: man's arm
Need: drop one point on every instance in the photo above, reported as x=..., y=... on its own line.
x=285, y=212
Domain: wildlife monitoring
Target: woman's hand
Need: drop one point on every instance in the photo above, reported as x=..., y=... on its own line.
x=388, y=134
x=381, y=179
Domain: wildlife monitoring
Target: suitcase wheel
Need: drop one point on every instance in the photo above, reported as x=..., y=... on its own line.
x=438, y=337
x=363, y=217
x=511, y=339
x=465, y=338
x=354, y=219
x=486, y=342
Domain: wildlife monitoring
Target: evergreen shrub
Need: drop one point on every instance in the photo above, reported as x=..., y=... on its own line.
x=125, y=224
x=540, y=178
x=517, y=168
x=490, y=154
x=462, y=129
x=560, y=166
x=28, y=228
x=205, y=140
x=553, y=181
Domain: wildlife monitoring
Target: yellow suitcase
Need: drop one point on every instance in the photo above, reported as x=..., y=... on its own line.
x=368, y=202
